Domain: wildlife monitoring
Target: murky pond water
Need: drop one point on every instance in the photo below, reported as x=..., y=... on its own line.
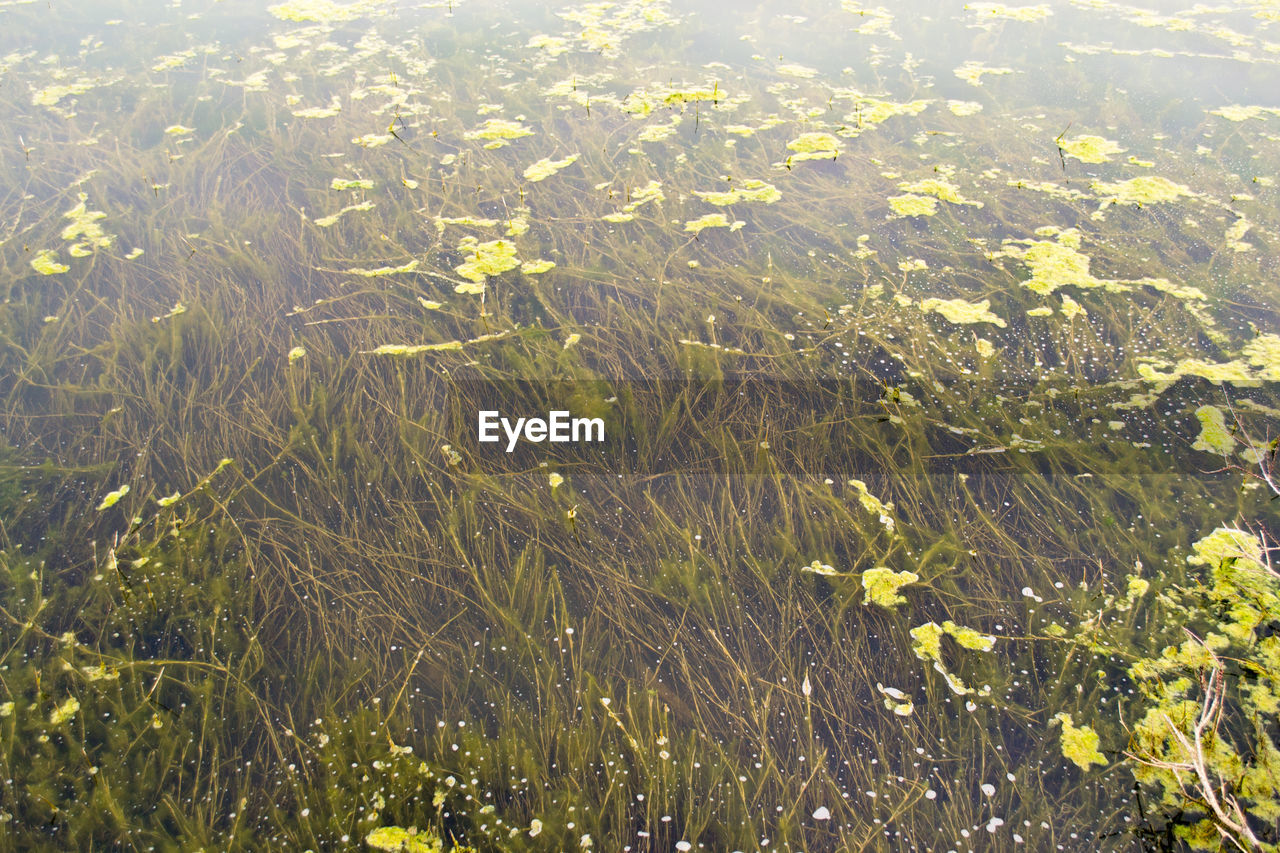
x=933, y=351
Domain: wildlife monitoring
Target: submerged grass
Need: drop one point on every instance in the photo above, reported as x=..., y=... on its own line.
x=839, y=592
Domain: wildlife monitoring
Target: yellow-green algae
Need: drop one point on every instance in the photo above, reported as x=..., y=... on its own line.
x=325, y=11
x=881, y=586
x=64, y=712
x=939, y=189
x=1089, y=149
x=1235, y=372
x=1057, y=263
x=397, y=839
x=913, y=205
x=553, y=45
x=498, y=131
x=1014, y=13
x=1237, y=112
x=750, y=190
x=485, y=259
x=964, y=108
x=1263, y=352
x=1072, y=309
x=332, y=219
x=45, y=262
x=1147, y=189
x=441, y=222
x=926, y=642
x=178, y=130
x=380, y=271
x=968, y=638
x=546, y=167
x=712, y=220
x=814, y=146
x=873, y=504
x=84, y=232
x=536, y=267
x=984, y=347
x=961, y=311
x=111, y=498
x=972, y=72
x=1079, y=743
x=350, y=184
x=1215, y=437
x=443, y=346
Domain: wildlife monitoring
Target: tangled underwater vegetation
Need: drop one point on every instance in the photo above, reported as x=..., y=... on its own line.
x=938, y=354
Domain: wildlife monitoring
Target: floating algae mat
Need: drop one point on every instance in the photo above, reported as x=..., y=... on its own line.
x=639, y=426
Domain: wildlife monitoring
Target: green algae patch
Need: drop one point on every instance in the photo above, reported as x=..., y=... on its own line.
x=46, y=263
x=964, y=108
x=873, y=111
x=650, y=192
x=499, y=130
x=962, y=312
x=553, y=45
x=984, y=348
x=1234, y=372
x=179, y=130
x=350, y=184
x=485, y=259
x=972, y=72
x=1237, y=112
x=926, y=642
x=968, y=638
x=712, y=220
x=112, y=498
x=546, y=167
x=536, y=267
x=1089, y=149
x=397, y=839
x=332, y=219
x=874, y=505
x=1263, y=352
x=84, y=231
x=881, y=585
x=325, y=11
x=1147, y=189
x=814, y=146
x=913, y=205
x=1079, y=743
x=1072, y=309
x=1056, y=263
x=1026, y=14
x=442, y=222
x=939, y=189
x=443, y=346
x=51, y=95
x=1215, y=437
x=751, y=190
x=381, y=271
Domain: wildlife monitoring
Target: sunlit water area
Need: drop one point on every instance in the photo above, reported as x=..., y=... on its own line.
x=934, y=354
